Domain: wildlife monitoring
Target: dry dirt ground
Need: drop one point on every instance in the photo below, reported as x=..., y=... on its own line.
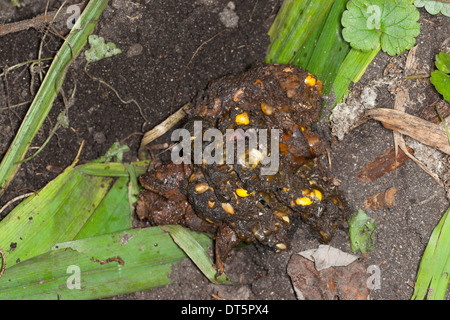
x=159, y=39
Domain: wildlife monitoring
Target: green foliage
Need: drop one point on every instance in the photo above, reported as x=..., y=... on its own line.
x=307, y=34
x=82, y=201
x=16, y=3
x=325, y=50
x=362, y=232
x=392, y=23
x=434, y=272
x=99, y=49
x=434, y=7
x=99, y=266
x=441, y=77
x=48, y=91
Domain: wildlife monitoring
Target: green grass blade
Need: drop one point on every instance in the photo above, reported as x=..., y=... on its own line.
x=139, y=259
x=113, y=169
x=56, y=214
x=111, y=215
x=294, y=26
x=48, y=91
x=81, y=202
x=195, y=251
x=280, y=20
x=304, y=54
x=433, y=275
x=309, y=35
x=331, y=49
x=351, y=70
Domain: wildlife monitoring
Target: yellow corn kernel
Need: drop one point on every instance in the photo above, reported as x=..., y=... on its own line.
x=305, y=201
x=317, y=194
x=201, y=188
x=243, y=193
x=242, y=119
x=310, y=81
x=228, y=208
x=258, y=81
x=266, y=108
x=238, y=95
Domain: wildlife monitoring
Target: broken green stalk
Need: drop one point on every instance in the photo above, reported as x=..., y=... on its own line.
x=308, y=34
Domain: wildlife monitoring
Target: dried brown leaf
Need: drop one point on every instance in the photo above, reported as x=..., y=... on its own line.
x=343, y=283
x=382, y=164
x=383, y=200
x=415, y=127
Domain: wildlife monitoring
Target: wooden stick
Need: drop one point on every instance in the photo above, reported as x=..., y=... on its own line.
x=417, y=128
x=164, y=126
x=34, y=22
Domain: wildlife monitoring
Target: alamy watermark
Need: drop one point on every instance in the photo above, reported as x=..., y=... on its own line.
x=221, y=149
x=74, y=280
x=374, y=20
x=73, y=21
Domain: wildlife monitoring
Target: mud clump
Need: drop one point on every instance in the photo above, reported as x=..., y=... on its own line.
x=238, y=197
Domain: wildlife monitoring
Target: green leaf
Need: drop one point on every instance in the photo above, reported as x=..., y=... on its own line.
x=194, y=250
x=16, y=3
x=100, y=50
x=392, y=23
x=441, y=82
x=48, y=91
x=81, y=202
x=106, y=265
x=325, y=50
x=434, y=272
x=441, y=77
x=295, y=23
x=434, y=7
x=113, y=209
x=443, y=62
x=351, y=71
x=362, y=232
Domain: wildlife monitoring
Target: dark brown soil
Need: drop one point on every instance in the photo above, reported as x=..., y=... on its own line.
x=171, y=50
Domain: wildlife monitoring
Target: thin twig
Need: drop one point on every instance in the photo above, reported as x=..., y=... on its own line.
x=23, y=63
x=35, y=22
x=117, y=94
x=418, y=76
x=164, y=126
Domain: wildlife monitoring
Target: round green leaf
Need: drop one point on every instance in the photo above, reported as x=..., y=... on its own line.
x=441, y=82
x=393, y=23
x=443, y=62
x=434, y=7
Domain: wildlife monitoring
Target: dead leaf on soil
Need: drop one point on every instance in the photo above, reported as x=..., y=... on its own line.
x=326, y=256
x=382, y=164
x=383, y=200
x=343, y=283
x=415, y=127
